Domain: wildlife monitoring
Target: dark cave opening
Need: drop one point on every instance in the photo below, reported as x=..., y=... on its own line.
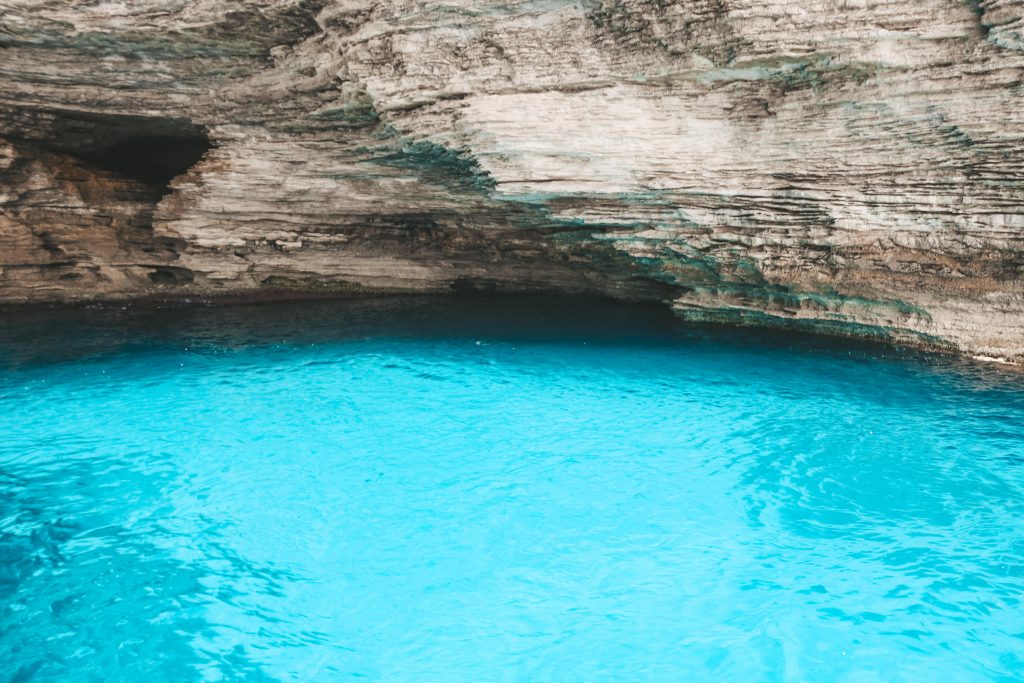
x=153, y=160
x=150, y=150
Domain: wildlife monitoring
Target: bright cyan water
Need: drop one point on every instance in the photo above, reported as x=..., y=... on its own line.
x=498, y=489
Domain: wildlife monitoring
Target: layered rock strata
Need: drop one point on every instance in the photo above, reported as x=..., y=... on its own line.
x=851, y=166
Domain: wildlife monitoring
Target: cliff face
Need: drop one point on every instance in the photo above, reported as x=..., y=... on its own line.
x=847, y=165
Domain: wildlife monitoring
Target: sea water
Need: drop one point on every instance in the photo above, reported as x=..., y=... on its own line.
x=498, y=489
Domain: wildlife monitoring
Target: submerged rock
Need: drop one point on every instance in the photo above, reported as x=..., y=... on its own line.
x=855, y=168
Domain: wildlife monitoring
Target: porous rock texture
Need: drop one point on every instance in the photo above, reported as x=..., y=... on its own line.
x=851, y=166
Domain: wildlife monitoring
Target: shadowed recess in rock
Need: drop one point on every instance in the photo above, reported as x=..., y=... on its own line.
x=150, y=150
x=154, y=159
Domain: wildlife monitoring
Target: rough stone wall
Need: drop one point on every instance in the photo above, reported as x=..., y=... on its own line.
x=854, y=166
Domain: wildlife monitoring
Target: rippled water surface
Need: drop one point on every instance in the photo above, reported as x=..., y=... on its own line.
x=498, y=489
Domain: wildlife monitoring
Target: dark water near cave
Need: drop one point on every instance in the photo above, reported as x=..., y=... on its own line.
x=498, y=489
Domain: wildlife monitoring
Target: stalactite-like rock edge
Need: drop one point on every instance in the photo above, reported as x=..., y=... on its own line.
x=852, y=168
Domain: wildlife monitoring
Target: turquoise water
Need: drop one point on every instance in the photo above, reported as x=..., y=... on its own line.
x=498, y=489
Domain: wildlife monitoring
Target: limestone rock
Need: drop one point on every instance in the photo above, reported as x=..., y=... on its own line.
x=850, y=166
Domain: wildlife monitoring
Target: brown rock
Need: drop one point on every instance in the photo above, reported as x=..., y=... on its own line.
x=855, y=168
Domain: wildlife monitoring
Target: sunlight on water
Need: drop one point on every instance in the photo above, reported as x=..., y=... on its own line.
x=498, y=489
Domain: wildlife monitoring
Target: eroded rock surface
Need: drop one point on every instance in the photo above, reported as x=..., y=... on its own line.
x=851, y=165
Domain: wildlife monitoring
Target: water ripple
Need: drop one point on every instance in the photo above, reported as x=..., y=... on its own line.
x=498, y=489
